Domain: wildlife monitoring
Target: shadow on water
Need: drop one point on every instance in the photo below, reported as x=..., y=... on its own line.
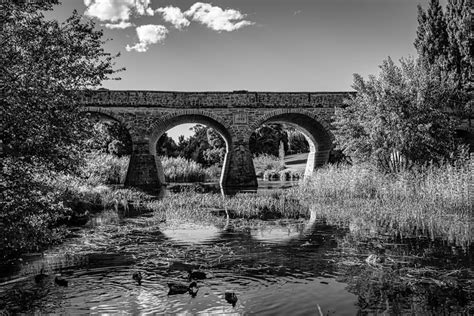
x=286, y=267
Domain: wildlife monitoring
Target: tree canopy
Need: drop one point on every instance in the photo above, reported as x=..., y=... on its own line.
x=401, y=111
x=44, y=65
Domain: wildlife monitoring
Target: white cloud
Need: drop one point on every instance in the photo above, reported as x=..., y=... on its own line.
x=217, y=19
x=122, y=25
x=116, y=10
x=147, y=35
x=174, y=16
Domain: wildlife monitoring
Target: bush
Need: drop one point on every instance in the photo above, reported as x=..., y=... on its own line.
x=266, y=162
x=102, y=168
x=30, y=210
x=399, y=118
x=213, y=172
x=214, y=156
x=182, y=170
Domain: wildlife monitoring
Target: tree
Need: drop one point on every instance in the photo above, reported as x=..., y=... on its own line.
x=110, y=137
x=458, y=24
x=266, y=139
x=431, y=36
x=443, y=41
x=166, y=146
x=297, y=142
x=399, y=113
x=44, y=65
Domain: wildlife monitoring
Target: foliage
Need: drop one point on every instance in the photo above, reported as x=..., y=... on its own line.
x=458, y=23
x=110, y=137
x=399, y=113
x=180, y=169
x=266, y=139
x=443, y=41
x=166, y=146
x=205, y=146
x=44, y=65
x=297, y=142
x=102, y=168
x=265, y=162
x=432, y=38
x=214, y=156
x=30, y=210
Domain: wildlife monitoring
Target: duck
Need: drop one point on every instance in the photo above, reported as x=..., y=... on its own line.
x=231, y=298
x=137, y=276
x=197, y=275
x=40, y=277
x=180, y=288
x=60, y=281
x=193, y=289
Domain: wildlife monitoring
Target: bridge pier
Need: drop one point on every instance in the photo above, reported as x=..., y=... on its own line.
x=238, y=170
x=142, y=171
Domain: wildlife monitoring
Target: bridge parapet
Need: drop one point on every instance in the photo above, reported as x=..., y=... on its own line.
x=238, y=99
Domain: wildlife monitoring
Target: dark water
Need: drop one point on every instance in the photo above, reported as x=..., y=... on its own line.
x=282, y=267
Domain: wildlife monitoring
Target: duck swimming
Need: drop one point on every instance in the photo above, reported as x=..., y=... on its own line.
x=137, y=276
x=180, y=288
x=197, y=275
x=231, y=298
x=60, y=281
x=40, y=277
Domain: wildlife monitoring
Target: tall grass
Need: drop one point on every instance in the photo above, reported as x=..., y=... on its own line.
x=433, y=200
x=266, y=162
x=180, y=169
x=103, y=168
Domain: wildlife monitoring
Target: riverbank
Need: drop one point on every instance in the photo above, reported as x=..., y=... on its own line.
x=300, y=239
x=432, y=200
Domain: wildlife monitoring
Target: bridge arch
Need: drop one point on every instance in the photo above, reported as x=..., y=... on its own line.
x=316, y=131
x=166, y=122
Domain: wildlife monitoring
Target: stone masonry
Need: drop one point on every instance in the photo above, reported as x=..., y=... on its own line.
x=235, y=115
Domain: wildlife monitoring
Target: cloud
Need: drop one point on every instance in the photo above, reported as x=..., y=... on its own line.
x=122, y=25
x=116, y=10
x=217, y=19
x=147, y=35
x=174, y=16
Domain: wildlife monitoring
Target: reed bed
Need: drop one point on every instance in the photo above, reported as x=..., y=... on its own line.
x=180, y=169
x=432, y=201
x=102, y=168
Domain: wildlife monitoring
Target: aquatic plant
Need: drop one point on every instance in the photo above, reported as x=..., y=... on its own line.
x=433, y=200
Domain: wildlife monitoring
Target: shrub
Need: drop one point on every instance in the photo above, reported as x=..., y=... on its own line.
x=182, y=170
x=213, y=172
x=30, y=210
x=266, y=162
x=102, y=168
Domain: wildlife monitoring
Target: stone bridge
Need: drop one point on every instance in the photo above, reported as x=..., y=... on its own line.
x=234, y=115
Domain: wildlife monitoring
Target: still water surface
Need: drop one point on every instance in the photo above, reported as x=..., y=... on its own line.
x=279, y=267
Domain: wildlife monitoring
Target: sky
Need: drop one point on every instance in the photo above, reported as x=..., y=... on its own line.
x=255, y=45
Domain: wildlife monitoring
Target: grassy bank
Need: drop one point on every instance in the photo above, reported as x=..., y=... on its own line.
x=432, y=202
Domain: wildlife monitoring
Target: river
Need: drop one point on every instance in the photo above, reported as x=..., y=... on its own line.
x=302, y=266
